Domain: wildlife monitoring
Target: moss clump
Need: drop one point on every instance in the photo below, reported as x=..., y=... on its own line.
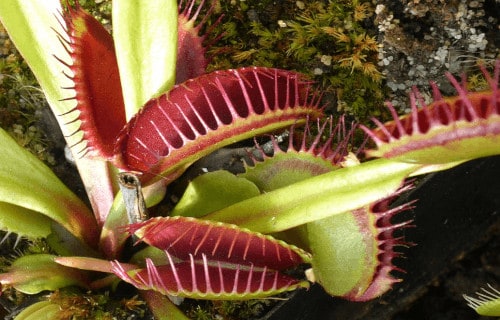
x=476, y=80
x=227, y=310
x=20, y=100
x=329, y=41
x=99, y=306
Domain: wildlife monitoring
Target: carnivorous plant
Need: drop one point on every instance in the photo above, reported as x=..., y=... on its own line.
x=138, y=109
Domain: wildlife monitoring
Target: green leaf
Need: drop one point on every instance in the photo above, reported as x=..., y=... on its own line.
x=213, y=191
x=32, y=26
x=24, y=222
x=283, y=169
x=28, y=183
x=145, y=34
x=40, y=310
x=161, y=306
x=340, y=258
x=38, y=272
x=317, y=197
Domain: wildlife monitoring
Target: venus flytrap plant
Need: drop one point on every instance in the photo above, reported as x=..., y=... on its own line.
x=369, y=248
x=122, y=116
x=94, y=86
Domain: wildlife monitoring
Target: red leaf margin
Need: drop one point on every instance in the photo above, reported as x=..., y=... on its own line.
x=212, y=260
x=209, y=112
x=228, y=243
x=191, y=53
x=97, y=86
x=202, y=279
x=447, y=130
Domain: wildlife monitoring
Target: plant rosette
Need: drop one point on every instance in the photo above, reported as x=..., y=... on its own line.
x=140, y=101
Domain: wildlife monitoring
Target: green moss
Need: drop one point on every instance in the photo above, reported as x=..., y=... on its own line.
x=227, y=310
x=20, y=100
x=329, y=41
x=476, y=80
x=248, y=309
x=100, y=306
x=200, y=313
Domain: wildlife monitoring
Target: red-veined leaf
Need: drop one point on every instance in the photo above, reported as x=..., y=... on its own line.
x=207, y=259
x=99, y=100
x=448, y=130
x=182, y=237
x=209, y=112
x=204, y=279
